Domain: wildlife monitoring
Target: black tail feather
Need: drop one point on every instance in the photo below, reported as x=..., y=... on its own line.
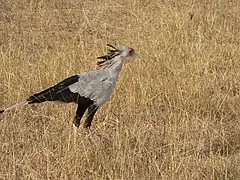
x=2, y=111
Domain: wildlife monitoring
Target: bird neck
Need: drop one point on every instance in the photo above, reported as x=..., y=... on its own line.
x=114, y=66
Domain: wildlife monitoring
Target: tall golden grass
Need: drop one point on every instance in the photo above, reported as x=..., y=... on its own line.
x=174, y=114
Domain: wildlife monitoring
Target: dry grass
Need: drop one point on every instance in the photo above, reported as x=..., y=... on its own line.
x=175, y=112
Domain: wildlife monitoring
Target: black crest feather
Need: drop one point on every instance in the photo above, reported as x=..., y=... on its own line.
x=111, y=54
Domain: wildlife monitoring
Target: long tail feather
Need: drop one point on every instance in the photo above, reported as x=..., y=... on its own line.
x=14, y=106
x=59, y=92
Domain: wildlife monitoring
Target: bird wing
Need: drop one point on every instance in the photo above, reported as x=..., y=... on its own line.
x=94, y=85
x=57, y=92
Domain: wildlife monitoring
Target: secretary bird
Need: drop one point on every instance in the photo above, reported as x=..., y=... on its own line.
x=89, y=90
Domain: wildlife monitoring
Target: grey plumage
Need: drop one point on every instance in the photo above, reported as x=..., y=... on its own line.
x=89, y=90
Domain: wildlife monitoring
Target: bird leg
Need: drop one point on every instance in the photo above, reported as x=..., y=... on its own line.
x=79, y=113
x=90, y=114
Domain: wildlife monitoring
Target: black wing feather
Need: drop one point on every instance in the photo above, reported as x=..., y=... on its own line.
x=59, y=92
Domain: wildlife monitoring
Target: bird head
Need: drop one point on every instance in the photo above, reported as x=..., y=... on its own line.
x=121, y=52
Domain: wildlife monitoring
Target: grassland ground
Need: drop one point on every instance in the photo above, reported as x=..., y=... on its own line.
x=175, y=111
